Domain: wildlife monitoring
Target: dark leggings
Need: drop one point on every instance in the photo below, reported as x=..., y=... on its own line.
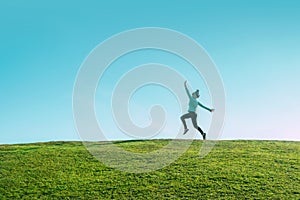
x=193, y=116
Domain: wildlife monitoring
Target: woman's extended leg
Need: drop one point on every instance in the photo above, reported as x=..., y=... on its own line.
x=194, y=120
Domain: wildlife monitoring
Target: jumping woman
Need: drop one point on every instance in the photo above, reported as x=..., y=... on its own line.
x=193, y=103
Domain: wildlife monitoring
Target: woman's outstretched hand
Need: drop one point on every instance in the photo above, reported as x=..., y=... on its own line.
x=185, y=83
x=212, y=110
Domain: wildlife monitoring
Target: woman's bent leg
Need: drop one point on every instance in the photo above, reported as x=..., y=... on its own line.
x=183, y=117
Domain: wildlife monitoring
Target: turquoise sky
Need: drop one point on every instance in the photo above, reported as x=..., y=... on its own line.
x=255, y=45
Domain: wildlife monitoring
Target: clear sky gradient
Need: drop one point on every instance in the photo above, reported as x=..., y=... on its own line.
x=255, y=45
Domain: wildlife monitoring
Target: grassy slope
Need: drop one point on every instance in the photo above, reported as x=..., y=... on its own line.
x=233, y=170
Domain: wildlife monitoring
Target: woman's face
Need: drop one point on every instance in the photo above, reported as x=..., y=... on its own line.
x=194, y=96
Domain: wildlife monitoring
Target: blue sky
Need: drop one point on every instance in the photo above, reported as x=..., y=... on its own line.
x=255, y=45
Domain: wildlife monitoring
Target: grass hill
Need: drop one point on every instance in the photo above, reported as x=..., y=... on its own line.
x=232, y=170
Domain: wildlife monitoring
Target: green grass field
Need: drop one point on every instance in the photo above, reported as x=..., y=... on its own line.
x=233, y=170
